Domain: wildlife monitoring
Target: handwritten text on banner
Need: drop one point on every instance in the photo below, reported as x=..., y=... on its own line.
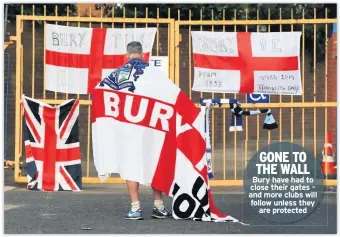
x=243, y=62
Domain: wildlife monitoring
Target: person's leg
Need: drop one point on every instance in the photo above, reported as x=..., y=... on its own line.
x=158, y=203
x=159, y=210
x=157, y=194
x=133, y=190
x=135, y=213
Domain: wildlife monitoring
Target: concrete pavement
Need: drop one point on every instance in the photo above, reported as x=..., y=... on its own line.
x=100, y=209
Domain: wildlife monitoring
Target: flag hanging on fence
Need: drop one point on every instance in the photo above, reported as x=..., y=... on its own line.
x=243, y=62
x=147, y=130
x=78, y=58
x=52, y=145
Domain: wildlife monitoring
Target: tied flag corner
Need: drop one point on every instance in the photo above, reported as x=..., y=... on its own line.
x=52, y=145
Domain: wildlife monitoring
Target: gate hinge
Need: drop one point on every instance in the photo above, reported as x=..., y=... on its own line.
x=180, y=37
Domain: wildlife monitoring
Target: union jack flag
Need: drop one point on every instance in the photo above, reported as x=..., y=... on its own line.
x=52, y=145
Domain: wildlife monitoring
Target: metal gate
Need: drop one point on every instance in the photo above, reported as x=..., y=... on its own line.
x=230, y=151
x=31, y=73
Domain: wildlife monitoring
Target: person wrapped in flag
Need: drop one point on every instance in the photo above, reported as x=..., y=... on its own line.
x=118, y=80
x=147, y=130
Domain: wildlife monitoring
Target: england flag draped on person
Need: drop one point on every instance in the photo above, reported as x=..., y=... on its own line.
x=148, y=131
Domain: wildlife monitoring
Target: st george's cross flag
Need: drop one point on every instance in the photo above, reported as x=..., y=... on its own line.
x=244, y=62
x=52, y=145
x=147, y=130
x=78, y=58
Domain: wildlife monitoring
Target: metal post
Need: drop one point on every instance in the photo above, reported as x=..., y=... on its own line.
x=7, y=77
x=5, y=26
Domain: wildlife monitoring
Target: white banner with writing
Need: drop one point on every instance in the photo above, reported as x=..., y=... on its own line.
x=78, y=58
x=244, y=62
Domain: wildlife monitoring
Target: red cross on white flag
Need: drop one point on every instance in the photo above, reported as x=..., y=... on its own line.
x=77, y=59
x=243, y=62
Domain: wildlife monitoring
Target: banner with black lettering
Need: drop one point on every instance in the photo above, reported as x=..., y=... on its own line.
x=247, y=62
x=77, y=58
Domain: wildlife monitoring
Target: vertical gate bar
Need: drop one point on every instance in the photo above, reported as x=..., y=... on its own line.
x=123, y=16
x=7, y=78
x=224, y=126
x=172, y=28
x=174, y=50
x=21, y=82
x=169, y=39
x=326, y=77
x=291, y=97
x=177, y=66
x=33, y=52
x=269, y=31
x=22, y=13
x=257, y=18
x=235, y=29
x=257, y=116
x=113, y=16
x=78, y=96
x=314, y=80
x=146, y=16
x=21, y=79
x=235, y=133
x=246, y=142
x=280, y=129
x=157, y=37
x=303, y=78
x=89, y=113
x=212, y=94
x=113, y=26
x=189, y=52
x=56, y=14
x=67, y=24
x=44, y=92
x=326, y=69
x=135, y=12
x=201, y=28
x=125, y=43
x=212, y=116
x=18, y=116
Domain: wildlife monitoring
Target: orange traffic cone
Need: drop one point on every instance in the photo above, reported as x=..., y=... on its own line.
x=328, y=163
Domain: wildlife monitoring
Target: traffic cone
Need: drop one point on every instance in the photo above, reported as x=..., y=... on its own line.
x=328, y=162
